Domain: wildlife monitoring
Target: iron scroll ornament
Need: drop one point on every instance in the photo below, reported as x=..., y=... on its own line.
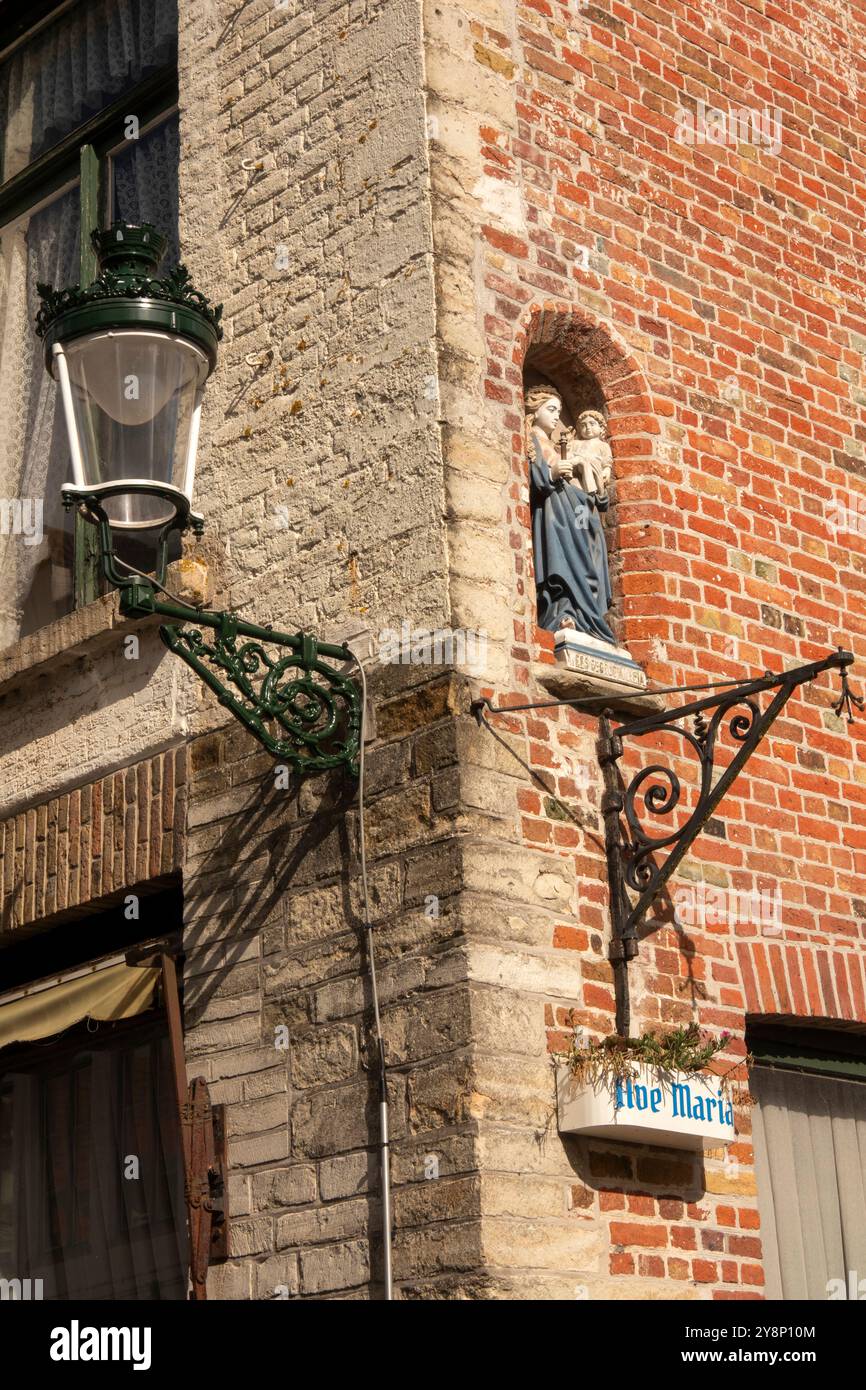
x=662, y=800
x=299, y=707
x=298, y=703
x=630, y=848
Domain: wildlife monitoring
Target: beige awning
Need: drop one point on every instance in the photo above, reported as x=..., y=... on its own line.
x=120, y=991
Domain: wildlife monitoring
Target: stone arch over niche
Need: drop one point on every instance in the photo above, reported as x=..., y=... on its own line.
x=593, y=369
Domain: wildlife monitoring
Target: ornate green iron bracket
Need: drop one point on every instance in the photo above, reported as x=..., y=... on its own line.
x=298, y=705
x=302, y=709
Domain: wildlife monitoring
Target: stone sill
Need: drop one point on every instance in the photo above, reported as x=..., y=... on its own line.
x=563, y=684
x=84, y=633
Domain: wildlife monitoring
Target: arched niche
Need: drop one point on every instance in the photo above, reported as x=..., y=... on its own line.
x=593, y=370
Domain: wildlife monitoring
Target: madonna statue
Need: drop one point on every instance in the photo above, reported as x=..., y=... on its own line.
x=568, y=491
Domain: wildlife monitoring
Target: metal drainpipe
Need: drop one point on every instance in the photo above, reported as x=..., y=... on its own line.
x=384, y=1142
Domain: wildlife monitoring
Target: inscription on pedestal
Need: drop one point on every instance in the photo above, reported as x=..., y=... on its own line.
x=596, y=666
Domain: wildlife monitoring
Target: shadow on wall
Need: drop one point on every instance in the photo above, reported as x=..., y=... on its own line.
x=293, y=845
x=672, y=1175
x=271, y=830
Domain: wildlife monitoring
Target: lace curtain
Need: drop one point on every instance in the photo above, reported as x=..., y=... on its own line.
x=75, y=67
x=35, y=534
x=145, y=184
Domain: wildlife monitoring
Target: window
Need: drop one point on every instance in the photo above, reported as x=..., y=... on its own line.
x=88, y=133
x=92, y=1198
x=809, y=1126
x=91, y=1166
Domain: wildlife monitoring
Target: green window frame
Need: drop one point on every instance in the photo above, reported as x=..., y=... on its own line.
x=822, y=1051
x=83, y=156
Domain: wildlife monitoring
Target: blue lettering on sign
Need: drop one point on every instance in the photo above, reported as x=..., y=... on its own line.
x=682, y=1101
x=686, y=1104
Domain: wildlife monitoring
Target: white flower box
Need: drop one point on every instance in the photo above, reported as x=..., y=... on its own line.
x=681, y=1110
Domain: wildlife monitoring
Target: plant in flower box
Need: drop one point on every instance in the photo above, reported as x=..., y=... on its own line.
x=658, y=1088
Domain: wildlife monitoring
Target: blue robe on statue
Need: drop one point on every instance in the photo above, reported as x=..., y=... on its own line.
x=571, y=573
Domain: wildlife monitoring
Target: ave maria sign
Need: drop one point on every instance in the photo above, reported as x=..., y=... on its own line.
x=681, y=1110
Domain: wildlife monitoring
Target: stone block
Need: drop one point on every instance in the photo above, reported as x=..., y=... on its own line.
x=284, y=1187
x=440, y=1199
x=229, y=1281
x=437, y=1249
x=348, y=1175
x=251, y=1236
x=341, y=1118
x=526, y=877
x=336, y=1221
x=431, y=1157
x=343, y=1265
x=426, y=1026
x=276, y=1278
x=260, y=1149
x=256, y=1116
x=323, y=1055
x=554, y=1245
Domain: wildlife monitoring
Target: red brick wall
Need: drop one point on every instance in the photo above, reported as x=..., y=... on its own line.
x=86, y=844
x=727, y=284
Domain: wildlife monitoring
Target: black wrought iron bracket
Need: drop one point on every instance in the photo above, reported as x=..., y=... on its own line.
x=299, y=705
x=631, y=850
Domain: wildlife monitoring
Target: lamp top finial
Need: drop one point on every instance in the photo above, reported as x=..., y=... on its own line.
x=126, y=248
x=128, y=293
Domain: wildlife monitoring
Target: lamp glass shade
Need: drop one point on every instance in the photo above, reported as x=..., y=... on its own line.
x=134, y=395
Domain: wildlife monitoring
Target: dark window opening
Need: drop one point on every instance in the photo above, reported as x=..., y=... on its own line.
x=92, y=1198
x=85, y=936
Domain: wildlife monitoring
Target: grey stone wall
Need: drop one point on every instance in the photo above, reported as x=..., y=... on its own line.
x=320, y=471
x=321, y=477
x=278, y=1005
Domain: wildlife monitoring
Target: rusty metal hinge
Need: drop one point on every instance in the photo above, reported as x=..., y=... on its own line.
x=203, y=1129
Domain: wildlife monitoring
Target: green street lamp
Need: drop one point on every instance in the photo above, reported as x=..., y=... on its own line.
x=131, y=354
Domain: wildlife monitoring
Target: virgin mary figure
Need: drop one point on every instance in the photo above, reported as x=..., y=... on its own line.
x=571, y=573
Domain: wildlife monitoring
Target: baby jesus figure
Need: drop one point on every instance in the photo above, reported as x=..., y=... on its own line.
x=590, y=455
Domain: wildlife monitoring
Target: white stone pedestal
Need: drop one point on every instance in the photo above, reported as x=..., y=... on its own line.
x=589, y=656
